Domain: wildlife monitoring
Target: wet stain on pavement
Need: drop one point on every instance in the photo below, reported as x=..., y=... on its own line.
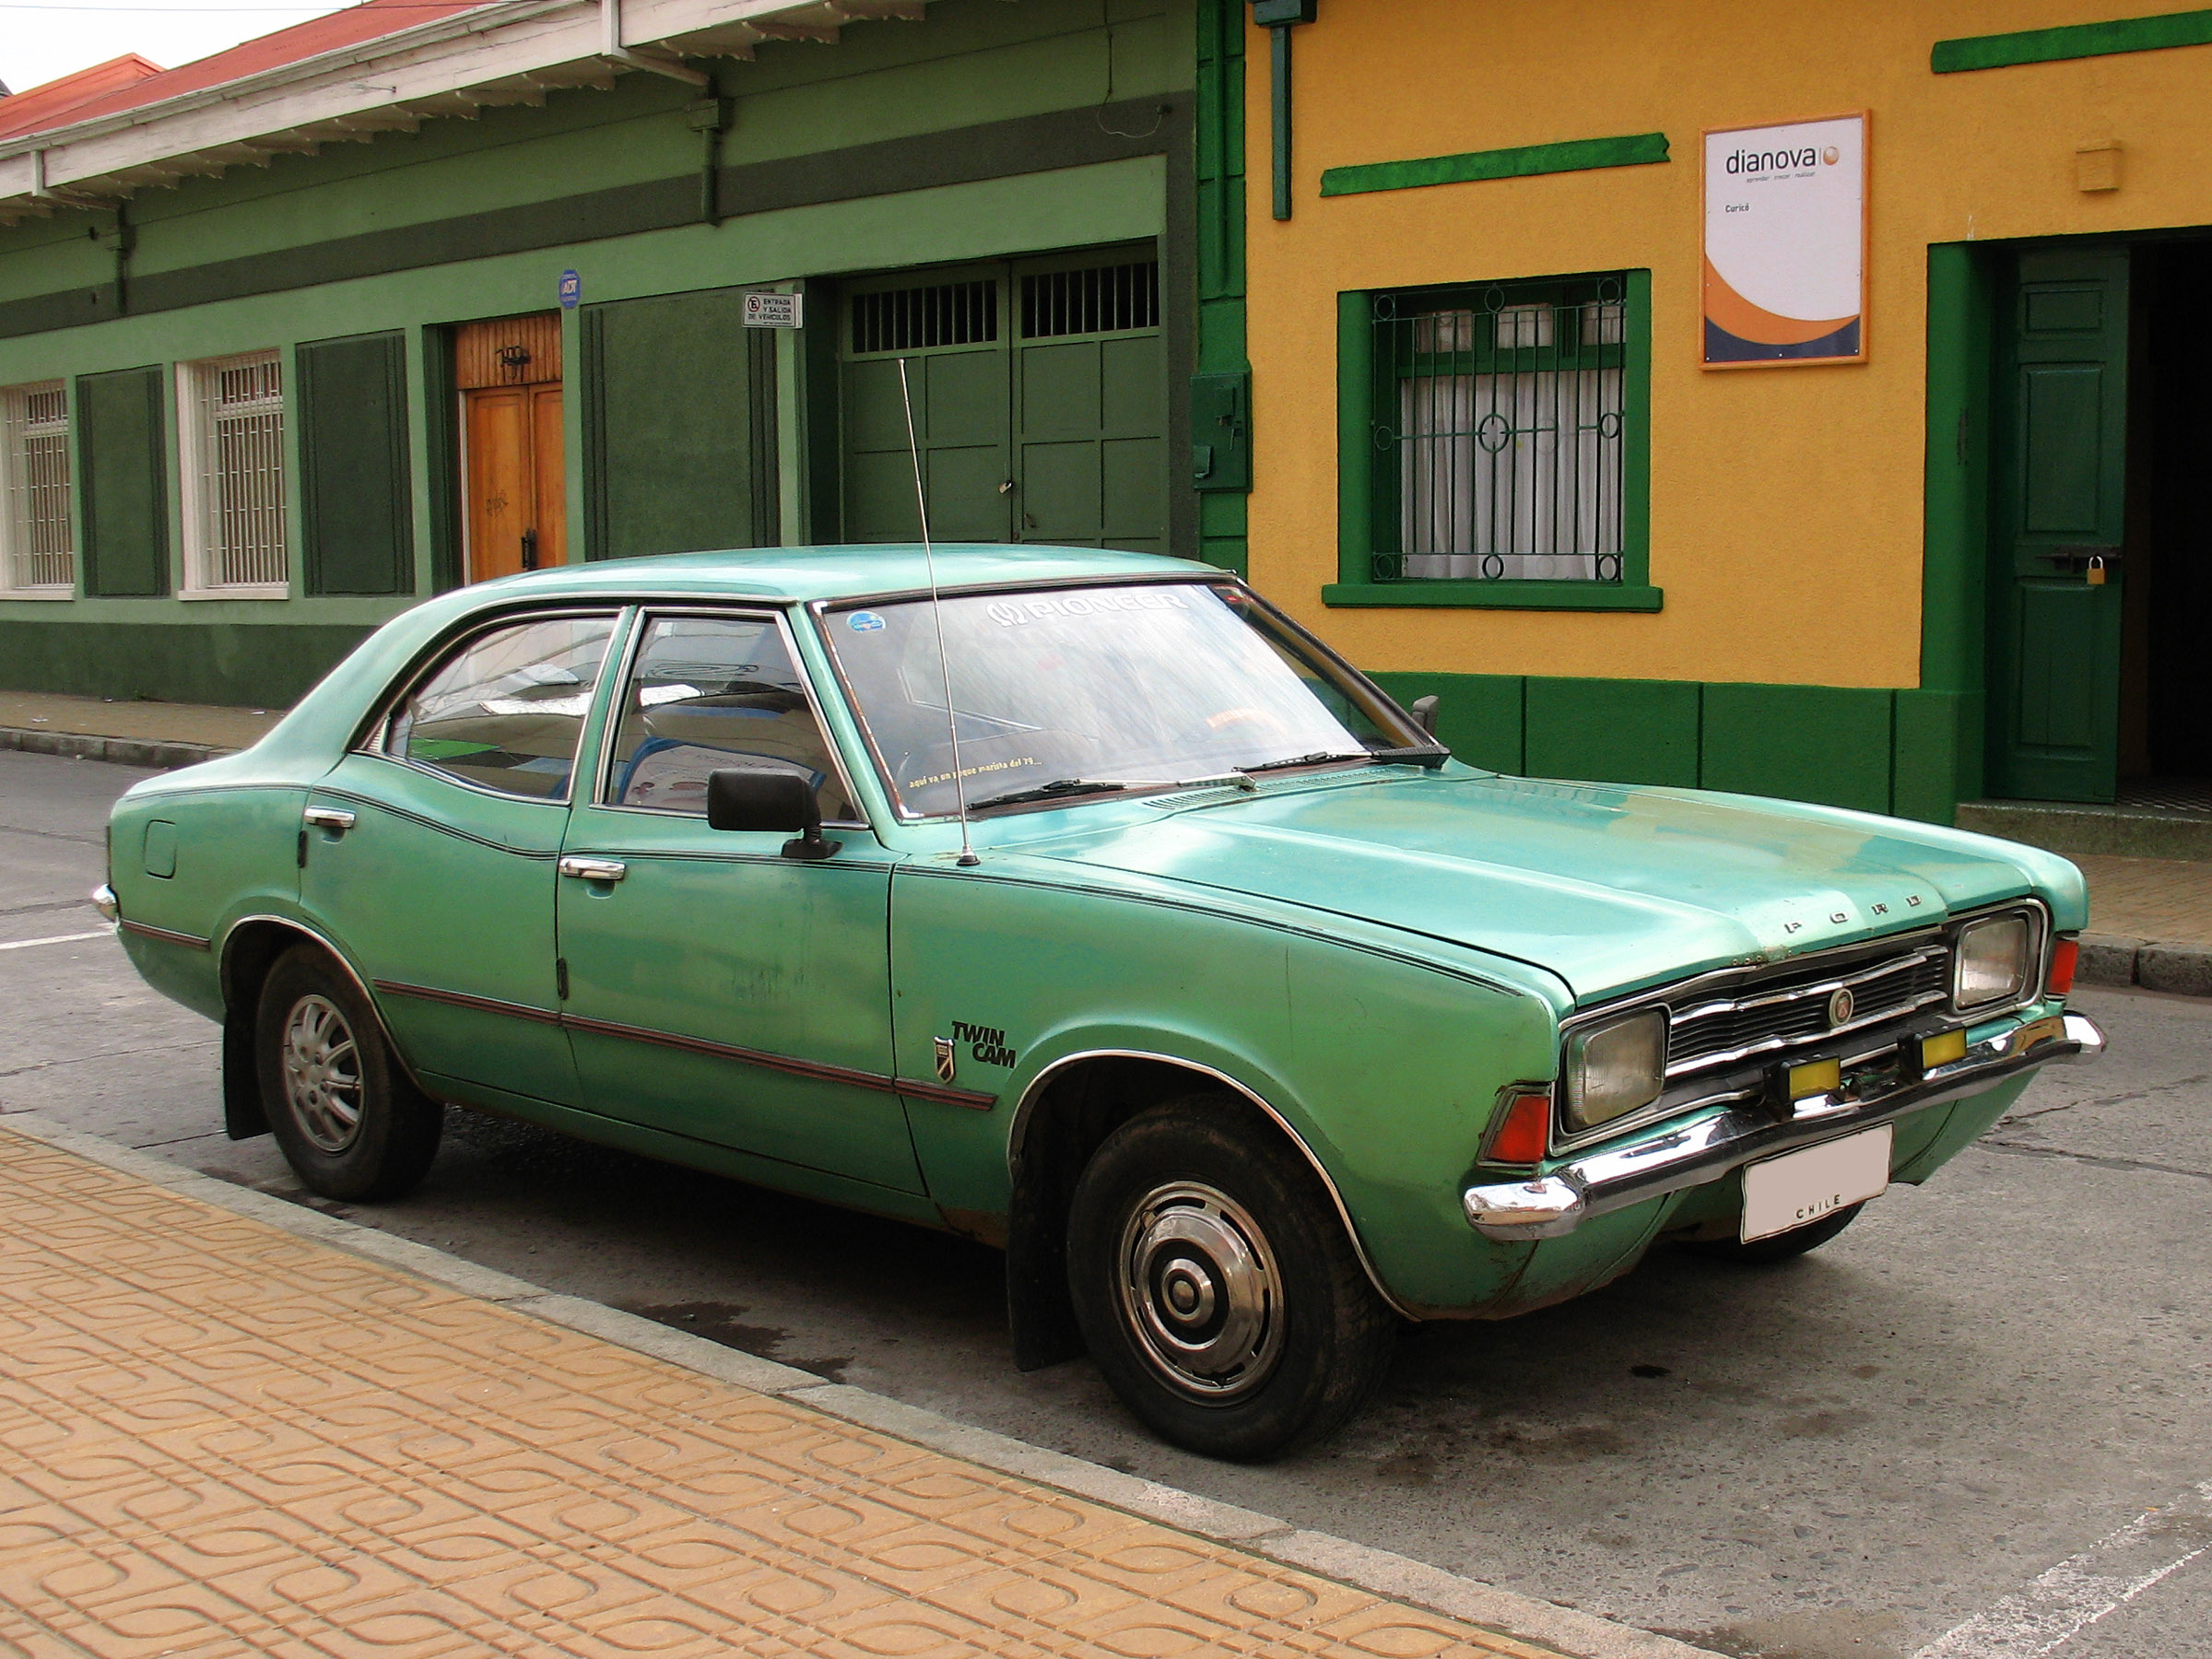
x=723, y=1322
x=1830, y=1633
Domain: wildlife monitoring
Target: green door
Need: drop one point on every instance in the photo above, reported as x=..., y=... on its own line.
x=428, y=855
x=1040, y=397
x=2061, y=487
x=716, y=989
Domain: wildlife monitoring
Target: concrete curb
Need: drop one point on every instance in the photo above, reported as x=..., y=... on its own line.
x=2180, y=969
x=1376, y=1570
x=156, y=753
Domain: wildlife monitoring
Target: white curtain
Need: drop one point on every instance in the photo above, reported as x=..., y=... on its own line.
x=1514, y=476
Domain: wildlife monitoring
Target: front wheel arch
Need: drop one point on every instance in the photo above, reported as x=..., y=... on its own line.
x=1064, y=1116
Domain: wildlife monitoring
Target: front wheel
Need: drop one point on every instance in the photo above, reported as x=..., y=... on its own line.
x=349, y=1122
x=1216, y=1287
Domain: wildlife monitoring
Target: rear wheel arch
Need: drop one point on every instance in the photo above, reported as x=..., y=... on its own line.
x=1064, y=1116
x=250, y=949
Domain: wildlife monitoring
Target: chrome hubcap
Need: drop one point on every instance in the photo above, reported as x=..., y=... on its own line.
x=1200, y=1290
x=322, y=1073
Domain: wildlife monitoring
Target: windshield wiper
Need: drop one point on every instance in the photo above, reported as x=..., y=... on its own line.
x=1076, y=786
x=1053, y=791
x=1316, y=758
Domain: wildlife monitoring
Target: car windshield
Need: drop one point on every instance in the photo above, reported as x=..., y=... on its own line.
x=1092, y=691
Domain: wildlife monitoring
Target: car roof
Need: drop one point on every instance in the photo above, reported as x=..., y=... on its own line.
x=805, y=574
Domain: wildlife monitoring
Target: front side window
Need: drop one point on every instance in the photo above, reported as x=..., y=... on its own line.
x=709, y=693
x=1097, y=690
x=232, y=427
x=506, y=711
x=1506, y=423
x=38, y=548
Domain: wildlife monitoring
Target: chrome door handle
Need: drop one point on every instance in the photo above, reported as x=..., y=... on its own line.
x=594, y=869
x=335, y=819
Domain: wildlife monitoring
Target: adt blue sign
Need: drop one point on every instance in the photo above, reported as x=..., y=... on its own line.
x=571, y=290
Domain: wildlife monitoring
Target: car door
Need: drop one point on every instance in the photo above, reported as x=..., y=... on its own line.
x=717, y=989
x=428, y=852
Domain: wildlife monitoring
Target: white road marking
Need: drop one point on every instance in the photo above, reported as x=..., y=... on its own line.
x=2082, y=1589
x=56, y=939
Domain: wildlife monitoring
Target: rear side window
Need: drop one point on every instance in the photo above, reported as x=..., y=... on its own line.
x=707, y=692
x=506, y=709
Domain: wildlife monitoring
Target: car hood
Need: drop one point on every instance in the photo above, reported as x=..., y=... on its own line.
x=1612, y=887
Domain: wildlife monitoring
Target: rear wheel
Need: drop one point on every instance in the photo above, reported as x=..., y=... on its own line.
x=349, y=1122
x=1215, y=1287
x=1780, y=1247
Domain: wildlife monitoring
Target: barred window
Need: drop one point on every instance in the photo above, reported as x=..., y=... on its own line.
x=38, y=544
x=232, y=427
x=915, y=319
x=1501, y=419
x=1096, y=300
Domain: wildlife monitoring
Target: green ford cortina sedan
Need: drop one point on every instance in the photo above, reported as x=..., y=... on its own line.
x=1176, y=958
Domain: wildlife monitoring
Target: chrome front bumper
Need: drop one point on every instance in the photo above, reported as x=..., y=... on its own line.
x=1552, y=1205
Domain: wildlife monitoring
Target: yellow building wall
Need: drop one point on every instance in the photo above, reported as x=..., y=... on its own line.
x=1785, y=502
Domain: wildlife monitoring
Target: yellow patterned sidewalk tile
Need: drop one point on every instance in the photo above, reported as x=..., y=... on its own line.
x=150, y=1625
x=219, y=1439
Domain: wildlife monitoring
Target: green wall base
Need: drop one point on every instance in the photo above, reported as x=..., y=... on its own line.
x=1914, y=753
x=265, y=665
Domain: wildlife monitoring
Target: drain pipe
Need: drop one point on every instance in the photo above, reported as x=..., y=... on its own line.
x=1279, y=17
x=613, y=51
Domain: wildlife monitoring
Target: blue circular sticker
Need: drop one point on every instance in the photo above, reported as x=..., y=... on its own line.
x=864, y=622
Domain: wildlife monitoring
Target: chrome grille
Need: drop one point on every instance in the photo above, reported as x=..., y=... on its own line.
x=1789, y=1006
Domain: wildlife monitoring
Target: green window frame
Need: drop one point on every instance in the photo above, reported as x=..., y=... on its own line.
x=1494, y=444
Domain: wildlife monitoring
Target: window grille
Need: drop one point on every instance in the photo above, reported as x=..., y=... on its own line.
x=38, y=547
x=950, y=314
x=1101, y=300
x=235, y=427
x=1504, y=408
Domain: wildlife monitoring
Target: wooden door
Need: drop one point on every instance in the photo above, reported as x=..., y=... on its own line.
x=512, y=465
x=2062, y=471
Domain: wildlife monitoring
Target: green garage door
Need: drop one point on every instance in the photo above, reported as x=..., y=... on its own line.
x=1039, y=400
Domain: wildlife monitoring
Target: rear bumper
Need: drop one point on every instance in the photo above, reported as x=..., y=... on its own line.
x=1652, y=1166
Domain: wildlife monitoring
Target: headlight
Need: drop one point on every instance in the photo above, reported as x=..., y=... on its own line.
x=1992, y=962
x=1615, y=1068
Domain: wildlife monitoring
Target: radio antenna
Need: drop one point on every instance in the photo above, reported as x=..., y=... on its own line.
x=929, y=563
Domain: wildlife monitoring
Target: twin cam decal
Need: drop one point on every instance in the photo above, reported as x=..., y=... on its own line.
x=986, y=1044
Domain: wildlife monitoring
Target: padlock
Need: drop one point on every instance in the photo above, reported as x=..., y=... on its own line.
x=2096, y=571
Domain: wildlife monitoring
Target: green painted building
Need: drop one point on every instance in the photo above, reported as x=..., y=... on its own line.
x=411, y=297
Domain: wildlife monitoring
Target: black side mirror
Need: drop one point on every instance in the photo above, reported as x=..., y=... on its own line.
x=1424, y=713
x=753, y=798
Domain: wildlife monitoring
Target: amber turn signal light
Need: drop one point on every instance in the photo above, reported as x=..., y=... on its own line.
x=2063, y=956
x=1525, y=1136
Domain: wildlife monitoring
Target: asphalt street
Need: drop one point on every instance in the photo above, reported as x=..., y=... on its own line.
x=1881, y=1449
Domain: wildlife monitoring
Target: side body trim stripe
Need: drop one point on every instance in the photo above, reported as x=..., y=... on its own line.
x=789, y=1065
x=168, y=934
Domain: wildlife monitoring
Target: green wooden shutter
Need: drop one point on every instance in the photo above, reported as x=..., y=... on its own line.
x=122, y=459
x=679, y=426
x=353, y=465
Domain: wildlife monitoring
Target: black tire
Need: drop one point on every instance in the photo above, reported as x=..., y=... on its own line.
x=1780, y=1247
x=350, y=1121
x=1194, y=1220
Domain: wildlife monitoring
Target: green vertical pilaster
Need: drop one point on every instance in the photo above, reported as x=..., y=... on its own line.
x=1939, y=740
x=1219, y=156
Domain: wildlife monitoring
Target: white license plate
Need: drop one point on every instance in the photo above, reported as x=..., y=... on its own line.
x=1798, y=1188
